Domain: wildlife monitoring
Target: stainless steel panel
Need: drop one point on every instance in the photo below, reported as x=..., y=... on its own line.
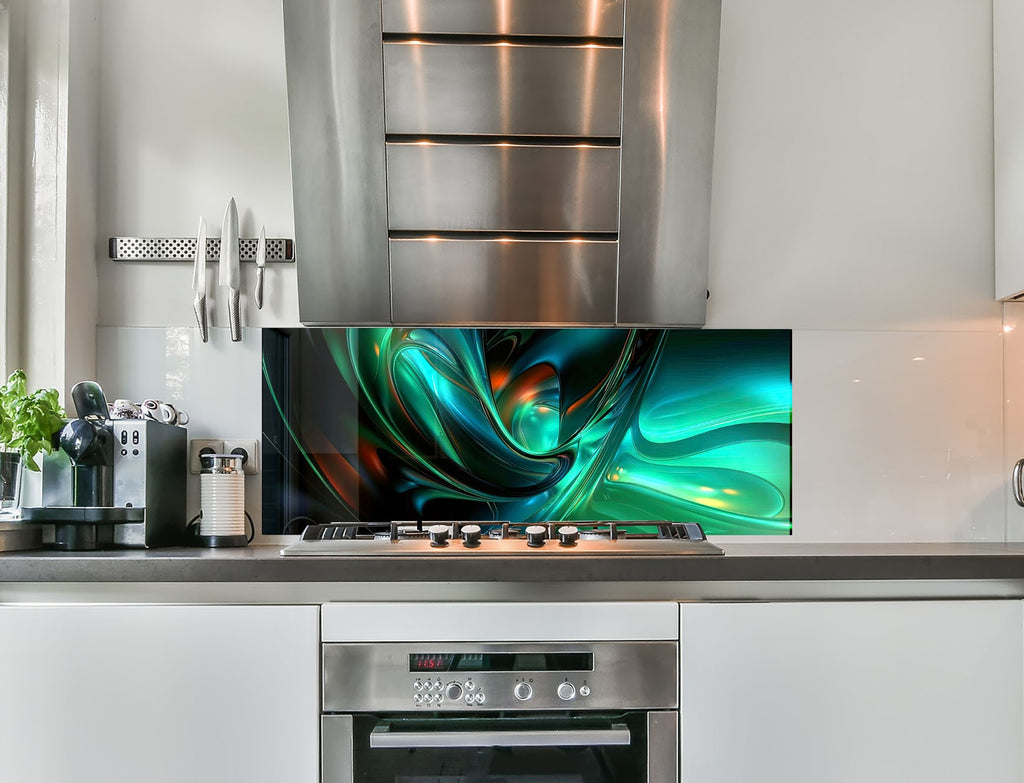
x=626, y=675
x=336, y=749
x=336, y=122
x=184, y=249
x=495, y=281
x=16, y=536
x=662, y=747
x=502, y=89
x=502, y=187
x=670, y=73
x=150, y=473
x=594, y=18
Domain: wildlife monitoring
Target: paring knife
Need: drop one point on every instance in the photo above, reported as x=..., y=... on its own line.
x=199, y=281
x=261, y=262
x=229, y=274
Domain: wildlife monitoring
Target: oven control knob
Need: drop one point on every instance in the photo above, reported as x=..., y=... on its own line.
x=566, y=691
x=568, y=535
x=522, y=691
x=438, y=535
x=470, y=535
x=584, y=690
x=535, y=535
x=453, y=692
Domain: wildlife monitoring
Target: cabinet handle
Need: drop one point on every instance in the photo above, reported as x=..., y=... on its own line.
x=1018, y=487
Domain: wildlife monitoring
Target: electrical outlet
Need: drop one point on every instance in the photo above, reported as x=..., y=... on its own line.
x=198, y=446
x=250, y=451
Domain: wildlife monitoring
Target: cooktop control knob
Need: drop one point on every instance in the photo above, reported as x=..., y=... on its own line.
x=522, y=691
x=568, y=535
x=453, y=692
x=438, y=535
x=471, y=535
x=535, y=535
x=566, y=691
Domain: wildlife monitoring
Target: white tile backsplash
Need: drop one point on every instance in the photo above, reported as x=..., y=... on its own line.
x=897, y=436
x=1013, y=395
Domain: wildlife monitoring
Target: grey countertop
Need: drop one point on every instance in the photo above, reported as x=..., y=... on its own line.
x=741, y=563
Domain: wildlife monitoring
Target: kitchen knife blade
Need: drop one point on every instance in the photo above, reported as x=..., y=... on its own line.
x=229, y=273
x=261, y=262
x=199, y=281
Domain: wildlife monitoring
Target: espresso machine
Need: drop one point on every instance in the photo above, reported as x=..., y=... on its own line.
x=113, y=482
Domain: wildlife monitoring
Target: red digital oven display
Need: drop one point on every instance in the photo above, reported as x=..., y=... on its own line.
x=431, y=662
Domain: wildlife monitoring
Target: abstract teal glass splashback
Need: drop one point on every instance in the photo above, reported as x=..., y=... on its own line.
x=528, y=425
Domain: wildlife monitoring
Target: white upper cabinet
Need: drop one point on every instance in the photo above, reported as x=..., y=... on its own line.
x=1008, y=110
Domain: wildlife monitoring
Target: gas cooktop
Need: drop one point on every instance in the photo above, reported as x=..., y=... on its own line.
x=502, y=539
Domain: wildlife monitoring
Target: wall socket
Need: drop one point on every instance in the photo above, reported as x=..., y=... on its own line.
x=198, y=446
x=248, y=447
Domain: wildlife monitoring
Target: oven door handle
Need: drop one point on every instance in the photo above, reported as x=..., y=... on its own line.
x=383, y=737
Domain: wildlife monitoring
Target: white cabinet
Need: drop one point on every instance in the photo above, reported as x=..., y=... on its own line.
x=900, y=692
x=1008, y=122
x=162, y=694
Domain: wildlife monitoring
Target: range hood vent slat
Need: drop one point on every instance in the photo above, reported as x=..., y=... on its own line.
x=596, y=18
x=502, y=140
x=510, y=236
x=442, y=39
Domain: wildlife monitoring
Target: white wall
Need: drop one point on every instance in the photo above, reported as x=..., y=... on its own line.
x=852, y=203
x=194, y=112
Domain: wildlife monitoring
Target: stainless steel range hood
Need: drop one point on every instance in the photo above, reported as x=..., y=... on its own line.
x=502, y=161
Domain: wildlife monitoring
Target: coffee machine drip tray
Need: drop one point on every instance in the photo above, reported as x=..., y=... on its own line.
x=78, y=528
x=88, y=515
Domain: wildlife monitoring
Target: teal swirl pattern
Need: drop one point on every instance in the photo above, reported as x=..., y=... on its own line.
x=547, y=424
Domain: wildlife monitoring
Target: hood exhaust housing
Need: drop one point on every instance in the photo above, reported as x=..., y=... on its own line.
x=477, y=162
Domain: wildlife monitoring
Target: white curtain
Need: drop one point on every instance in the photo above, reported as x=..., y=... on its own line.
x=5, y=184
x=48, y=247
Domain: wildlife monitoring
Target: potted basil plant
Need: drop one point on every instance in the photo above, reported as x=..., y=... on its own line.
x=28, y=423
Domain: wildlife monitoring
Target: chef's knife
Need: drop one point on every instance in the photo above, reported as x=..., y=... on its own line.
x=229, y=275
x=261, y=261
x=199, y=281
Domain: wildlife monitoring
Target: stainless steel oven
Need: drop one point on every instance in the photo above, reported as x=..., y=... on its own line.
x=523, y=712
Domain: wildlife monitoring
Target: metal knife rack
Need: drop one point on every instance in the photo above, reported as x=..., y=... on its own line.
x=279, y=251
